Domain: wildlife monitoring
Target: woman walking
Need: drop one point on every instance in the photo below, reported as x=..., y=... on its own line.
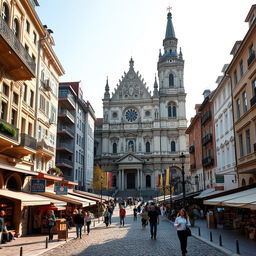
x=51, y=221
x=106, y=215
x=181, y=223
x=87, y=222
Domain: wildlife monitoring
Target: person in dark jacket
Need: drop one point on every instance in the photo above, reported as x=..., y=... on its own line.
x=51, y=221
x=153, y=215
x=2, y=213
x=79, y=222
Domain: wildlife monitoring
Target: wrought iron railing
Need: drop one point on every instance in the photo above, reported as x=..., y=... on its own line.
x=67, y=113
x=206, y=139
x=28, y=141
x=64, y=161
x=9, y=130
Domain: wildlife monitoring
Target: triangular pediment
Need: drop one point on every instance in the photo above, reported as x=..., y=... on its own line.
x=130, y=158
x=131, y=87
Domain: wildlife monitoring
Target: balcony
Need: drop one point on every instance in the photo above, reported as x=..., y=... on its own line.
x=253, y=100
x=63, y=146
x=44, y=149
x=66, y=131
x=192, y=149
x=14, y=58
x=207, y=116
x=46, y=85
x=66, y=116
x=193, y=166
x=206, y=139
x=208, y=161
x=251, y=58
x=64, y=163
x=67, y=100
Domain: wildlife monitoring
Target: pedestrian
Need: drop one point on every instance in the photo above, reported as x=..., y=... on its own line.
x=106, y=215
x=2, y=214
x=51, y=222
x=87, y=222
x=110, y=210
x=79, y=222
x=122, y=214
x=181, y=223
x=144, y=218
x=153, y=215
x=135, y=213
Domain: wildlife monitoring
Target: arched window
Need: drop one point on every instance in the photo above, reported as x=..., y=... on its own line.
x=251, y=181
x=114, y=148
x=5, y=13
x=243, y=183
x=172, y=111
x=173, y=146
x=13, y=184
x=147, y=147
x=148, y=181
x=171, y=80
x=16, y=28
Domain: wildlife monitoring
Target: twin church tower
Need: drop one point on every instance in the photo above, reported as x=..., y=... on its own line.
x=141, y=134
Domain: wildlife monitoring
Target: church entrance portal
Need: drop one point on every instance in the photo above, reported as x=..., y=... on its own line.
x=130, y=180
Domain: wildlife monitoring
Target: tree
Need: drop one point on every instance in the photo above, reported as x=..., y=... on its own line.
x=99, y=175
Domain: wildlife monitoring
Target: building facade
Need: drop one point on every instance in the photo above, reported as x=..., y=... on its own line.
x=143, y=134
x=241, y=73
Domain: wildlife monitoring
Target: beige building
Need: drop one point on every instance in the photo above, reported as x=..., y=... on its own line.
x=242, y=74
x=29, y=72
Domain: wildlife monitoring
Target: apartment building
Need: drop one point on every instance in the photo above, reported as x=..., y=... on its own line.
x=242, y=77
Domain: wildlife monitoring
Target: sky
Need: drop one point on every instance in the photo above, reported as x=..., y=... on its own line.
x=95, y=39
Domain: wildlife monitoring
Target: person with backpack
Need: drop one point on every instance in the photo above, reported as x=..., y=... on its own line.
x=122, y=214
x=79, y=222
x=182, y=223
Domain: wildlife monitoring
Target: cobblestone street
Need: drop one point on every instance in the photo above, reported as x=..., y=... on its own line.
x=131, y=240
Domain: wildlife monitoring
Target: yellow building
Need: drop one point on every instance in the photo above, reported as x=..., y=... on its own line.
x=29, y=73
x=242, y=73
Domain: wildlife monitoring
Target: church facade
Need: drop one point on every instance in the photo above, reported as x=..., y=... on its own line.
x=141, y=134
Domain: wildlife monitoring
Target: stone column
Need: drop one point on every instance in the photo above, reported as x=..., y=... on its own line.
x=119, y=180
x=141, y=181
x=138, y=178
x=122, y=179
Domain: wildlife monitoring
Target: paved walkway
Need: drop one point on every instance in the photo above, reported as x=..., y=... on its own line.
x=131, y=240
x=229, y=237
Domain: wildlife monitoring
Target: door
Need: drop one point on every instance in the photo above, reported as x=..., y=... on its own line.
x=130, y=180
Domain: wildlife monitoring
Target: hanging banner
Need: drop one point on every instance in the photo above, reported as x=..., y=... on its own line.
x=164, y=178
x=61, y=190
x=110, y=178
x=167, y=178
x=37, y=185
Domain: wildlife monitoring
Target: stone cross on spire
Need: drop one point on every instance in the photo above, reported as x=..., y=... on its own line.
x=169, y=9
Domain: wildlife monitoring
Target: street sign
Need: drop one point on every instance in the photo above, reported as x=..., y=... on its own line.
x=61, y=190
x=37, y=185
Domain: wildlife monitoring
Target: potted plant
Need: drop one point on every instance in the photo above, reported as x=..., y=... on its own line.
x=55, y=171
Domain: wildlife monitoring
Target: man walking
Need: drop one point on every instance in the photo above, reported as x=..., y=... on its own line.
x=153, y=215
x=2, y=213
x=122, y=214
x=79, y=221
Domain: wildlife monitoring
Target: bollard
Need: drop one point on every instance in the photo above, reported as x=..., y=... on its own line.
x=199, y=231
x=21, y=251
x=237, y=247
x=211, y=236
x=94, y=223
x=46, y=243
x=220, y=240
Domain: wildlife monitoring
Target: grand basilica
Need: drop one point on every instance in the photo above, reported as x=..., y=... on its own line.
x=142, y=134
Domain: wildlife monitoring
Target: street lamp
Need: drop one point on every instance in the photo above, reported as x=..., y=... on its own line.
x=182, y=161
x=101, y=181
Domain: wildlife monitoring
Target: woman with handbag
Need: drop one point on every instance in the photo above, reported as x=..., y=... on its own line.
x=182, y=224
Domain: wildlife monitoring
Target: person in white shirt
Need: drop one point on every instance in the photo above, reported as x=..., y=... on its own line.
x=181, y=223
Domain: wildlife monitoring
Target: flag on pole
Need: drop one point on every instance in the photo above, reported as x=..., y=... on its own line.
x=163, y=178
x=167, y=177
x=110, y=175
x=160, y=180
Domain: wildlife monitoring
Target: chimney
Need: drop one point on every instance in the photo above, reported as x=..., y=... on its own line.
x=206, y=93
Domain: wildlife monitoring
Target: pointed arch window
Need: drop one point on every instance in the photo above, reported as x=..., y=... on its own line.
x=171, y=80
x=173, y=146
x=16, y=28
x=5, y=13
x=147, y=147
x=114, y=148
x=172, y=111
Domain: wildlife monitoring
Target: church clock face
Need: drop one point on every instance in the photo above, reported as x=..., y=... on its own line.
x=131, y=115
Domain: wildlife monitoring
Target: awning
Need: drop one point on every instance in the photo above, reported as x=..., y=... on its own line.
x=15, y=169
x=208, y=192
x=67, y=198
x=29, y=199
x=91, y=200
x=96, y=196
x=78, y=197
x=243, y=199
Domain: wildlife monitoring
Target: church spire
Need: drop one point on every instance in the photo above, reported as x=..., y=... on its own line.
x=106, y=94
x=131, y=63
x=169, y=28
x=155, y=93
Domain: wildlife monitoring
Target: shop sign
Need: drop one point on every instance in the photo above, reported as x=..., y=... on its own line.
x=61, y=190
x=219, y=178
x=37, y=185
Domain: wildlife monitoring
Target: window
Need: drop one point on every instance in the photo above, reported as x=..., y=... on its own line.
x=47, y=108
x=30, y=130
x=39, y=132
x=173, y=146
x=238, y=114
x=148, y=181
x=241, y=146
x=114, y=148
x=147, y=113
x=250, y=50
x=5, y=13
x=53, y=114
x=15, y=98
x=27, y=26
x=248, y=141
x=34, y=58
x=114, y=115
x=31, y=100
x=172, y=111
x=42, y=103
x=244, y=102
x=14, y=117
x=171, y=80
x=235, y=77
x=16, y=28
x=241, y=66
x=25, y=92
x=34, y=37
x=26, y=48
x=254, y=87
x=4, y=111
x=147, y=147
x=5, y=89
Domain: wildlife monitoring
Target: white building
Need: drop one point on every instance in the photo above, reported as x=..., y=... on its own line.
x=226, y=177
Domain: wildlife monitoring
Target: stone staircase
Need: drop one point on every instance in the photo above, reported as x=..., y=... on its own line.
x=146, y=194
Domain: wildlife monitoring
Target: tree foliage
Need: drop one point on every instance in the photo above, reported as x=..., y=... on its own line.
x=99, y=176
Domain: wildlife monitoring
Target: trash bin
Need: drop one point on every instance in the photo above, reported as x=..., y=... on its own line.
x=62, y=229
